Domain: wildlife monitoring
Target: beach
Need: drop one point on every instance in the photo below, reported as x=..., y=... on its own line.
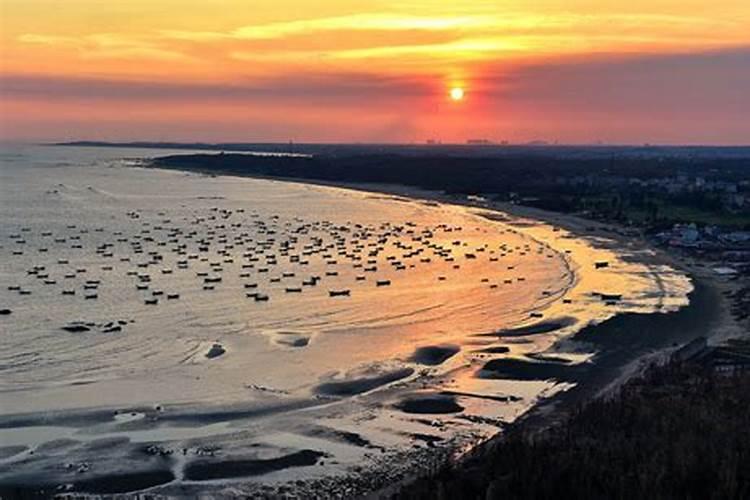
x=434, y=382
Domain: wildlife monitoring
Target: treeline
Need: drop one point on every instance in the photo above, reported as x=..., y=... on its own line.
x=678, y=432
x=534, y=179
x=470, y=175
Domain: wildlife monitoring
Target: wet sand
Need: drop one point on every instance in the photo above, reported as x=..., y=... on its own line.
x=395, y=387
x=624, y=344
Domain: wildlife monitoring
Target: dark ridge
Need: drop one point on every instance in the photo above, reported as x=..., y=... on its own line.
x=498, y=349
x=104, y=485
x=434, y=354
x=519, y=369
x=362, y=384
x=124, y=483
x=429, y=404
x=346, y=436
x=489, y=397
x=204, y=471
x=535, y=329
x=545, y=358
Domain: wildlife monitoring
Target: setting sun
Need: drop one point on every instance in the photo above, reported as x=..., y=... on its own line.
x=457, y=93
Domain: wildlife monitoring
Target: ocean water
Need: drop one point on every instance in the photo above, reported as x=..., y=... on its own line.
x=230, y=320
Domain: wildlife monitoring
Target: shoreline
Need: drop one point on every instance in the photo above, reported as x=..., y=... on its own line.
x=617, y=360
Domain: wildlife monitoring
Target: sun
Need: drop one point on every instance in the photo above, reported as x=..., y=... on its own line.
x=457, y=93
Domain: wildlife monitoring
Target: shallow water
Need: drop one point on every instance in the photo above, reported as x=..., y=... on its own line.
x=91, y=222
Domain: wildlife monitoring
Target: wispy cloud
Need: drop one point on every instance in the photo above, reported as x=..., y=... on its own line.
x=468, y=37
x=509, y=22
x=105, y=45
x=361, y=22
x=341, y=88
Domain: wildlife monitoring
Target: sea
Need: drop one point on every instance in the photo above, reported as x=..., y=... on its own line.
x=179, y=333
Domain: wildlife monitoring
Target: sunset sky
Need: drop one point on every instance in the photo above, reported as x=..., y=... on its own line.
x=573, y=71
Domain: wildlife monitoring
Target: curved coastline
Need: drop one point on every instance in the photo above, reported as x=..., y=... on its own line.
x=587, y=384
x=650, y=336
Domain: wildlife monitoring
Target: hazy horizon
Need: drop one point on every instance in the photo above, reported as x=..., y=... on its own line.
x=579, y=73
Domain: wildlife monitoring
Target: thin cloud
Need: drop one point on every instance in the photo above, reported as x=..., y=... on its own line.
x=106, y=46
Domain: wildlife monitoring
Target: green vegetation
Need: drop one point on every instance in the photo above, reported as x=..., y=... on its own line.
x=653, y=211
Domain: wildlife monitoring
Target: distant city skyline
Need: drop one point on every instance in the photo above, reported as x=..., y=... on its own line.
x=573, y=72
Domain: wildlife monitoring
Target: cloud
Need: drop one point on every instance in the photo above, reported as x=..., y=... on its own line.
x=482, y=24
x=106, y=46
x=342, y=88
x=713, y=82
x=362, y=22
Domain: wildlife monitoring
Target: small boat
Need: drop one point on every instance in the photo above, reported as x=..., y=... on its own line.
x=215, y=351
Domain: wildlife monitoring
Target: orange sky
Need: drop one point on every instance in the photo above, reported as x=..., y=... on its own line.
x=335, y=70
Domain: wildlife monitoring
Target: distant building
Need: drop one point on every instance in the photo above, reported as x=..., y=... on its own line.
x=685, y=235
